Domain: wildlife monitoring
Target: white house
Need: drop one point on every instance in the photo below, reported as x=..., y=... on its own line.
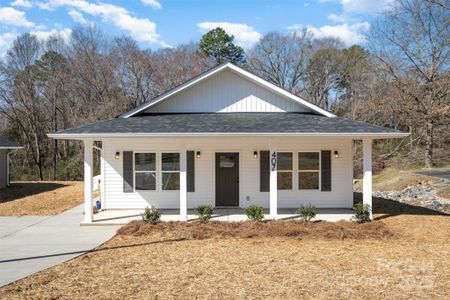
x=5, y=147
x=230, y=139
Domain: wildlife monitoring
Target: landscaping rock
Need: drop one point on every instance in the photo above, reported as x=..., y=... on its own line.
x=423, y=194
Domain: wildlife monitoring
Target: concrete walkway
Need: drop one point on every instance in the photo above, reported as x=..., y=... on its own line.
x=30, y=244
x=120, y=217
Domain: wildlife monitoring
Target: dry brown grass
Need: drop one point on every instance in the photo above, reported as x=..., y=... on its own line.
x=270, y=229
x=40, y=198
x=165, y=265
x=396, y=180
x=444, y=192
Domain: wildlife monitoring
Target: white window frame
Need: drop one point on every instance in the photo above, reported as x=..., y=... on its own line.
x=172, y=171
x=287, y=171
x=155, y=171
x=308, y=171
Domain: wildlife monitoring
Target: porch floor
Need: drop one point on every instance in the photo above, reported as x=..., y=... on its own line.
x=120, y=217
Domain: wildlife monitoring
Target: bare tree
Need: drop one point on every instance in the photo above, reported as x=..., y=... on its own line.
x=175, y=66
x=412, y=42
x=323, y=72
x=20, y=97
x=282, y=59
x=134, y=70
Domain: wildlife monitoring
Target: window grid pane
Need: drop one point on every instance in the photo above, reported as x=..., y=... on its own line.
x=284, y=161
x=284, y=180
x=145, y=162
x=308, y=161
x=308, y=180
x=145, y=181
x=170, y=181
x=170, y=161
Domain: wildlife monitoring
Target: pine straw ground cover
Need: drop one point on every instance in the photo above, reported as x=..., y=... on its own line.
x=40, y=198
x=403, y=255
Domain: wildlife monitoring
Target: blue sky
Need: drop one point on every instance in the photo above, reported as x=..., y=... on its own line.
x=167, y=23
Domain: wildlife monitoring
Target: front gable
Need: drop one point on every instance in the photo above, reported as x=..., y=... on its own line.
x=227, y=88
x=227, y=92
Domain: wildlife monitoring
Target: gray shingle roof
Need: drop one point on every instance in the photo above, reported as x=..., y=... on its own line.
x=229, y=123
x=5, y=143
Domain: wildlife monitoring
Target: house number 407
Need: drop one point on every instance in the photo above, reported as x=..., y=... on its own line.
x=273, y=161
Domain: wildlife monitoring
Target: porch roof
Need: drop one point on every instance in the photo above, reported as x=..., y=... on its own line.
x=7, y=144
x=197, y=124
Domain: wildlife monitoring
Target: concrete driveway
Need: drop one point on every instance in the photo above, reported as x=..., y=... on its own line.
x=30, y=244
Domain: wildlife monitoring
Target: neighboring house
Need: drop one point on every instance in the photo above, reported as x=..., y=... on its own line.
x=230, y=139
x=5, y=147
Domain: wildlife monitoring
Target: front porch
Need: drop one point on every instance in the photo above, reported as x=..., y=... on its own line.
x=255, y=178
x=121, y=217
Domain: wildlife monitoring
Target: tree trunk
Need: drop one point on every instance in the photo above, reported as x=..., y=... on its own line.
x=429, y=144
x=55, y=141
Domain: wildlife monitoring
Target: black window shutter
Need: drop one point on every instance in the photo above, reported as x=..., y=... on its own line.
x=264, y=171
x=190, y=170
x=127, y=171
x=326, y=170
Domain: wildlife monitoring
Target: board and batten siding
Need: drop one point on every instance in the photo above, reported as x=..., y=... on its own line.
x=227, y=92
x=341, y=194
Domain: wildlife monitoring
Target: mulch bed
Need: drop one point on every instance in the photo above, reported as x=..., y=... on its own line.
x=250, y=229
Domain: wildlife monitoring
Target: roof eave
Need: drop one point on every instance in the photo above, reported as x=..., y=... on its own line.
x=356, y=135
x=10, y=147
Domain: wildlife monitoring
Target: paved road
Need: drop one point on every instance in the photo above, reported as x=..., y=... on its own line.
x=31, y=244
x=436, y=173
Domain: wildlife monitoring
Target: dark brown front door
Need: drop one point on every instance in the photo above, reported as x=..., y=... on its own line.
x=227, y=179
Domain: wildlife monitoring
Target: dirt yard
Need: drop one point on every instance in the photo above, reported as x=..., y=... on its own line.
x=406, y=255
x=40, y=198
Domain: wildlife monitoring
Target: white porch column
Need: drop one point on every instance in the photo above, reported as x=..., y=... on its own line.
x=273, y=184
x=367, y=169
x=183, y=186
x=88, y=164
x=102, y=178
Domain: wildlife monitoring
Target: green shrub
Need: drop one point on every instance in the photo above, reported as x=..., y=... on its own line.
x=362, y=212
x=151, y=215
x=254, y=212
x=204, y=212
x=307, y=212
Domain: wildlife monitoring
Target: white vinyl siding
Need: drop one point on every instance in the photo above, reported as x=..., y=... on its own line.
x=341, y=194
x=228, y=92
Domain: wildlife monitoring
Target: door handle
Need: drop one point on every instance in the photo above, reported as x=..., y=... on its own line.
x=237, y=181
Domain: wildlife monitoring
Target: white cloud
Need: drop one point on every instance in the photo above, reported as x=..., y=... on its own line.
x=245, y=35
x=338, y=18
x=348, y=33
x=22, y=3
x=44, y=35
x=141, y=29
x=5, y=42
x=153, y=3
x=14, y=17
x=79, y=18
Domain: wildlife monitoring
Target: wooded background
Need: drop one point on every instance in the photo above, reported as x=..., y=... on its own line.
x=400, y=78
